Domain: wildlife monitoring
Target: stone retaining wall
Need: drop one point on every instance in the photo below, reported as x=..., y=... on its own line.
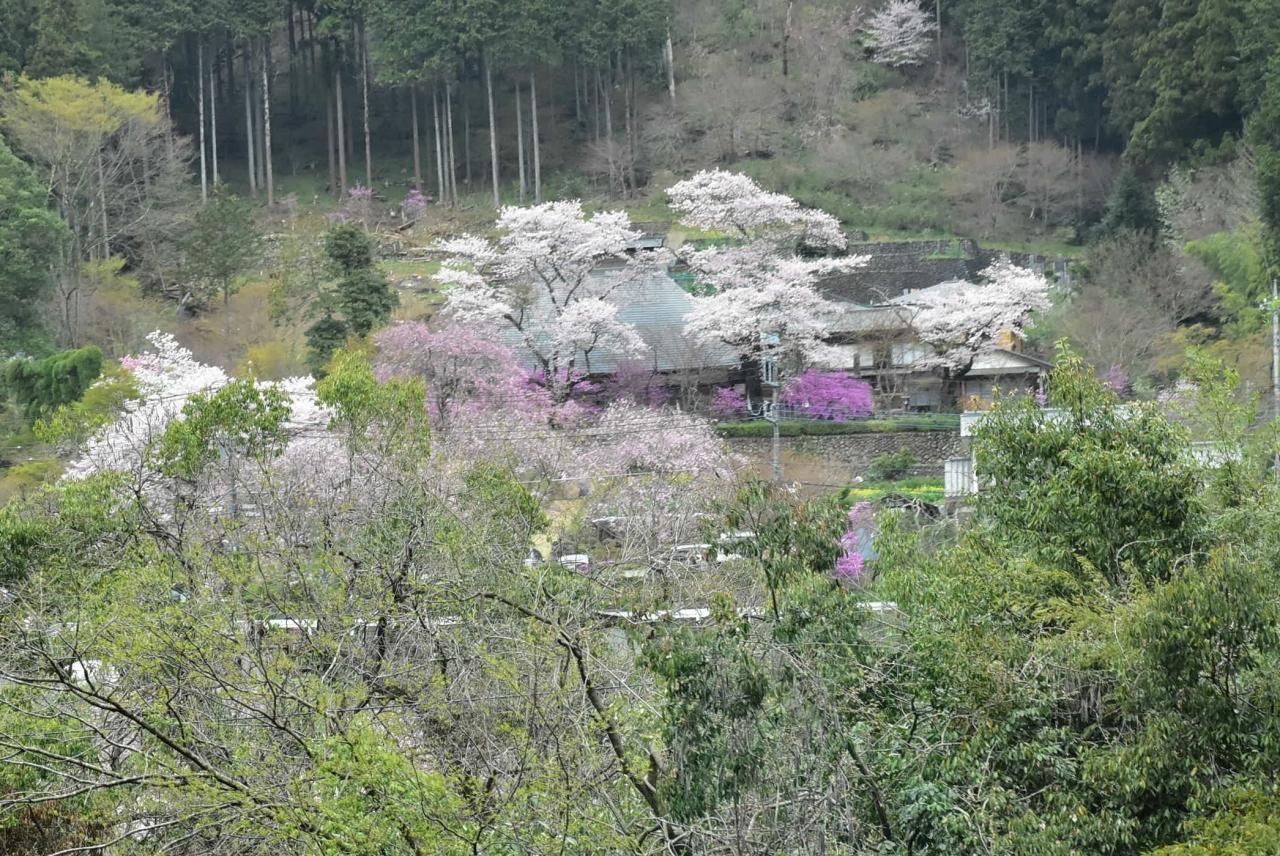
x=837, y=459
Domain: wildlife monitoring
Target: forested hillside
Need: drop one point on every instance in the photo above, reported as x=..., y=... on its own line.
x=1072, y=128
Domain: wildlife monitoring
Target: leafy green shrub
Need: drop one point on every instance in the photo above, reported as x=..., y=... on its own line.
x=40, y=387
x=892, y=466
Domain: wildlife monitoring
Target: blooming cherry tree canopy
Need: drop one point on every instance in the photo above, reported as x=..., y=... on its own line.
x=899, y=33
x=762, y=290
x=964, y=319
x=540, y=278
x=732, y=202
x=167, y=378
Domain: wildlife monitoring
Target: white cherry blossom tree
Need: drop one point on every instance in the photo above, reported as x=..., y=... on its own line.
x=167, y=378
x=900, y=33
x=762, y=287
x=961, y=320
x=549, y=276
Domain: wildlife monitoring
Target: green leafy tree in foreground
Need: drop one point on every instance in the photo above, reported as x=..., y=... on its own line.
x=1100, y=680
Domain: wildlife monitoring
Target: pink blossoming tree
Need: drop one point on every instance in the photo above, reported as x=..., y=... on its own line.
x=828, y=395
x=460, y=369
x=548, y=277
x=855, y=544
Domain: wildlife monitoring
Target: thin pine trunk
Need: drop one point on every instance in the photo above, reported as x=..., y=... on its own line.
x=466, y=136
x=102, y=205
x=1031, y=111
x=257, y=122
x=293, y=53
x=453, y=156
x=342, y=131
x=249, y=133
x=577, y=94
x=167, y=83
x=204, y=170
x=266, y=120
x=493, y=130
x=213, y=118
x=786, y=39
x=537, y=152
x=435, y=117
x=329, y=144
x=417, y=146
x=364, y=94
x=628, y=94
x=595, y=105
x=938, y=31
x=520, y=140
x=608, y=128
x=670, y=57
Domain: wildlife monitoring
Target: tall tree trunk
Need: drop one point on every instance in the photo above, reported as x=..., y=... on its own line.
x=608, y=129
x=364, y=95
x=417, y=146
x=213, y=118
x=937, y=7
x=632, y=123
x=435, y=116
x=293, y=53
x=453, y=158
x=786, y=39
x=596, y=88
x=466, y=135
x=102, y=205
x=1031, y=111
x=577, y=93
x=329, y=144
x=537, y=151
x=625, y=166
x=257, y=120
x=266, y=120
x=167, y=83
x=493, y=129
x=520, y=140
x=342, y=131
x=204, y=170
x=671, y=68
x=249, y=134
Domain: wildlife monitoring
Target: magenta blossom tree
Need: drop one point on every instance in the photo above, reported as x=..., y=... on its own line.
x=728, y=402
x=460, y=369
x=636, y=381
x=1117, y=380
x=828, y=395
x=855, y=544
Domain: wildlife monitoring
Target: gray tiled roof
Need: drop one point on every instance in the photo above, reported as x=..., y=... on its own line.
x=656, y=306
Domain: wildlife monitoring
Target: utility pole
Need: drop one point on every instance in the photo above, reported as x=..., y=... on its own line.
x=771, y=413
x=1275, y=349
x=769, y=378
x=1275, y=365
